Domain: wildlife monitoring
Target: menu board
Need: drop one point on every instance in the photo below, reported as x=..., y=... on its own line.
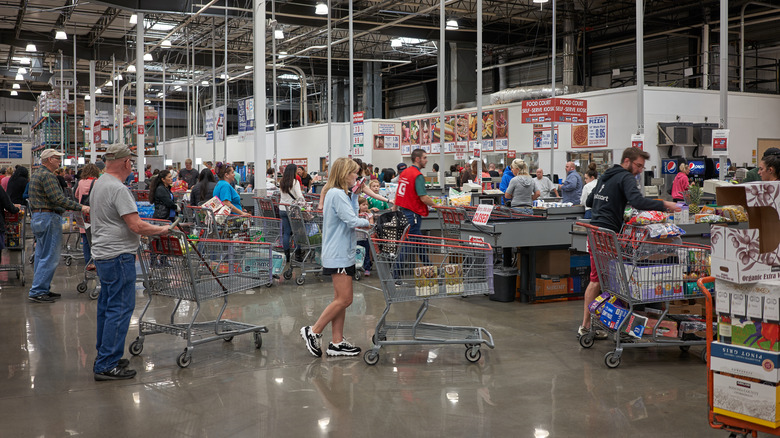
x=501, y=130
x=387, y=142
x=488, y=125
x=541, y=137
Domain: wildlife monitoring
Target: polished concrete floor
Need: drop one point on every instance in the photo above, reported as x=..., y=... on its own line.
x=537, y=378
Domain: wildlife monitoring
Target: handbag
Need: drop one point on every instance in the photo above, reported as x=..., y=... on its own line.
x=391, y=226
x=85, y=197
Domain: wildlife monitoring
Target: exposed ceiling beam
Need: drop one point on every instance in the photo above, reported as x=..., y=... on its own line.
x=102, y=24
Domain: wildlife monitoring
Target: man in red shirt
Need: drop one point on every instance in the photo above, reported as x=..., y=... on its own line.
x=411, y=197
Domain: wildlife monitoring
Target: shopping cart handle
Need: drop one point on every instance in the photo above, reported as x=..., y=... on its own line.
x=583, y=224
x=174, y=225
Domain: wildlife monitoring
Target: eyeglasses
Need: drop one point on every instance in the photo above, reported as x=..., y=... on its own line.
x=638, y=166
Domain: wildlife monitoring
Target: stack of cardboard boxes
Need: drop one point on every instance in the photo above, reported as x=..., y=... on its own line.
x=746, y=358
x=552, y=270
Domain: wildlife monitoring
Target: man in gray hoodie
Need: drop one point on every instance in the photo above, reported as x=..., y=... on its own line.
x=615, y=189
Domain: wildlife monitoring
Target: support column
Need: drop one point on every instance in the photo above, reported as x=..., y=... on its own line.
x=92, y=111
x=139, y=96
x=261, y=115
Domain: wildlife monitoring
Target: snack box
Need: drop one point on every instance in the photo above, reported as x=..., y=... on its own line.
x=612, y=315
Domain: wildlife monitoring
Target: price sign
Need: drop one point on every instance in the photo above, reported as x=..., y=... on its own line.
x=483, y=214
x=720, y=141
x=638, y=141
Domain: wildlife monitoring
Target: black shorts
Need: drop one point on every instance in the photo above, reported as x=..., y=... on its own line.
x=348, y=270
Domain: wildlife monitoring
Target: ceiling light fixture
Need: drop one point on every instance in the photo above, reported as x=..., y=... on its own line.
x=19, y=77
x=322, y=9
x=25, y=61
x=223, y=76
x=98, y=91
x=131, y=68
x=60, y=35
x=452, y=24
x=148, y=57
x=31, y=48
x=16, y=86
x=279, y=34
x=282, y=55
x=22, y=71
x=541, y=1
x=133, y=19
x=119, y=77
x=14, y=93
x=204, y=83
x=396, y=43
x=147, y=101
x=86, y=97
x=166, y=44
x=248, y=67
x=108, y=84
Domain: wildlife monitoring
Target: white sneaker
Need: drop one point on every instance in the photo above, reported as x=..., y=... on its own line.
x=343, y=348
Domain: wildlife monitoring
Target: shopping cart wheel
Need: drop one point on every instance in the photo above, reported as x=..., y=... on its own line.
x=300, y=280
x=82, y=287
x=228, y=339
x=258, y=340
x=184, y=360
x=68, y=261
x=685, y=348
x=703, y=355
x=32, y=259
x=94, y=293
x=371, y=357
x=586, y=341
x=611, y=361
x=287, y=274
x=473, y=354
x=737, y=435
x=358, y=274
x=136, y=347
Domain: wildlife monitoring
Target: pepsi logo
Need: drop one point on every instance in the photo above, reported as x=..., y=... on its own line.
x=671, y=166
x=717, y=166
x=696, y=166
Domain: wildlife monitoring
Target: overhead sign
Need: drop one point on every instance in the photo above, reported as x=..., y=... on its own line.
x=668, y=167
x=541, y=137
x=559, y=109
x=720, y=141
x=638, y=141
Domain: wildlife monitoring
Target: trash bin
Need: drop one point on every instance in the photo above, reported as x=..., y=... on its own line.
x=505, y=285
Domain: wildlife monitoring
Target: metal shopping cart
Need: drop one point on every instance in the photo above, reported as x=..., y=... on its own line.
x=15, y=229
x=90, y=282
x=72, y=245
x=265, y=207
x=639, y=272
x=450, y=220
x=141, y=195
x=421, y=268
x=307, y=231
x=198, y=271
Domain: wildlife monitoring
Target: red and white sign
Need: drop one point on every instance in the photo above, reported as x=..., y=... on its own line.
x=720, y=141
x=460, y=151
x=511, y=155
x=297, y=161
x=638, y=141
x=140, y=129
x=97, y=136
x=482, y=215
x=357, y=116
x=559, y=109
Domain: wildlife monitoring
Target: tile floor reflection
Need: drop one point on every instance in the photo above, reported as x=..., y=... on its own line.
x=537, y=380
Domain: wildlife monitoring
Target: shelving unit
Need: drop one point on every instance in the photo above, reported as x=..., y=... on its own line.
x=47, y=132
x=151, y=138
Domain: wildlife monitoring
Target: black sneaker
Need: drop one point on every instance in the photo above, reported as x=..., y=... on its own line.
x=54, y=295
x=116, y=373
x=312, y=341
x=343, y=348
x=45, y=298
x=123, y=363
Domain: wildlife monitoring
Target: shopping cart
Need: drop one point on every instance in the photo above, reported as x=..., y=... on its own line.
x=70, y=230
x=456, y=268
x=738, y=427
x=198, y=271
x=90, y=282
x=265, y=207
x=15, y=229
x=640, y=272
x=141, y=195
x=307, y=231
x=450, y=220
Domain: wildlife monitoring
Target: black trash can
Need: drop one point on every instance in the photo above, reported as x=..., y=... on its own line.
x=505, y=286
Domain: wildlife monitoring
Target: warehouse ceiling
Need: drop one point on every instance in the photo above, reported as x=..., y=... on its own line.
x=514, y=30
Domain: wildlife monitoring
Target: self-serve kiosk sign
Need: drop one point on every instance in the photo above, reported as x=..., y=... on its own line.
x=558, y=109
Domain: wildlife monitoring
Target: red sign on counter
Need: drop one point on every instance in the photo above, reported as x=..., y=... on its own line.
x=482, y=215
x=559, y=109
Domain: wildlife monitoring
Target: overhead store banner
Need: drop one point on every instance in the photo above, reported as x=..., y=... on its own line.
x=559, y=109
x=208, y=125
x=219, y=123
x=246, y=108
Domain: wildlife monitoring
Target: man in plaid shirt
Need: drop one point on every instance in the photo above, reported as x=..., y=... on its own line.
x=47, y=203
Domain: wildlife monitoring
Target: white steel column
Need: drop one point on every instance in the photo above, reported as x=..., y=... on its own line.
x=442, y=24
x=553, y=140
x=189, y=88
x=261, y=115
x=478, y=176
x=330, y=101
x=214, y=87
x=62, y=97
x=273, y=80
x=92, y=110
x=640, y=67
x=165, y=93
x=351, y=84
x=724, y=77
x=139, y=96
x=75, y=100
x=114, y=84
x=224, y=121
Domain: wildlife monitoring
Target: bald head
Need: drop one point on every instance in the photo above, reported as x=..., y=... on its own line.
x=570, y=166
x=539, y=173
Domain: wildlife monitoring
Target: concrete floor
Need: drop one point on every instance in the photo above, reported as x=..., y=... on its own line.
x=537, y=378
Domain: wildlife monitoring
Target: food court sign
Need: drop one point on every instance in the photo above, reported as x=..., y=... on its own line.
x=558, y=109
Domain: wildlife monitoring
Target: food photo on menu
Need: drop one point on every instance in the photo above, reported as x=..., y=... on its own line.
x=406, y=132
x=463, y=127
x=579, y=135
x=487, y=124
x=425, y=132
x=501, y=123
x=415, y=132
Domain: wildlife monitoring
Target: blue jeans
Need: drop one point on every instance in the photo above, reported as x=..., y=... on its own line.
x=47, y=229
x=85, y=248
x=415, y=227
x=367, y=257
x=286, y=229
x=115, y=306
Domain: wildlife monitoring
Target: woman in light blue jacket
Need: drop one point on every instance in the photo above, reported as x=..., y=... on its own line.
x=340, y=218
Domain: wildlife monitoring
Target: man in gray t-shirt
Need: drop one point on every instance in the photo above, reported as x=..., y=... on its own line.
x=115, y=229
x=543, y=184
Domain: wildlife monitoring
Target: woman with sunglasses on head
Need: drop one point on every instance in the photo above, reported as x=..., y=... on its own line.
x=225, y=191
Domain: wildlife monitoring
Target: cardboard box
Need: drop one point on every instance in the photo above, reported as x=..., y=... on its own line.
x=760, y=300
x=744, y=332
x=578, y=284
x=655, y=282
x=746, y=362
x=745, y=399
x=579, y=261
x=666, y=328
x=746, y=256
x=553, y=262
x=551, y=286
x=612, y=315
